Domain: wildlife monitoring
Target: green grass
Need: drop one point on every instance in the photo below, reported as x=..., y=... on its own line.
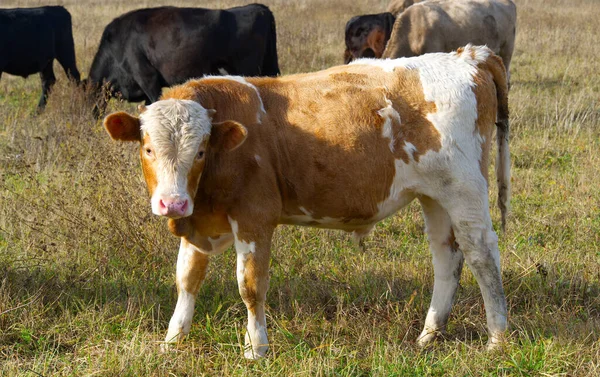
x=87, y=273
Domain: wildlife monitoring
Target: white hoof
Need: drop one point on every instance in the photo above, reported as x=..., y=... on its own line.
x=255, y=354
x=496, y=342
x=427, y=337
x=167, y=347
x=172, y=339
x=258, y=351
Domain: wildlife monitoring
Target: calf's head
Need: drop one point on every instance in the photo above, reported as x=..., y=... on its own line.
x=175, y=139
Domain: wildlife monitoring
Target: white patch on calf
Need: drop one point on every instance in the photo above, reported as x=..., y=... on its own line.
x=223, y=71
x=402, y=191
x=388, y=65
x=242, y=249
x=176, y=129
x=456, y=105
x=389, y=115
x=219, y=244
x=181, y=321
x=410, y=150
x=256, y=340
x=234, y=226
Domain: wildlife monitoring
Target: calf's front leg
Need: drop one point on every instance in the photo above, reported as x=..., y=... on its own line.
x=253, y=249
x=191, y=271
x=192, y=263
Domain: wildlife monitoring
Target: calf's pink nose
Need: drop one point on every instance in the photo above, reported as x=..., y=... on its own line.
x=168, y=207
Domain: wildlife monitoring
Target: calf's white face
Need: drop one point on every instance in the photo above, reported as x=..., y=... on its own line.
x=174, y=136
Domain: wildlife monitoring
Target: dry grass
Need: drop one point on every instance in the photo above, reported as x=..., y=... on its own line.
x=86, y=273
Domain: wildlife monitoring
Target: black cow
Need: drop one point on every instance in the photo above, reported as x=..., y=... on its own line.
x=147, y=49
x=366, y=36
x=30, y=40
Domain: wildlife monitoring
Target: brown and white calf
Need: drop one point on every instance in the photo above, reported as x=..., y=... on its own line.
x=227, y=159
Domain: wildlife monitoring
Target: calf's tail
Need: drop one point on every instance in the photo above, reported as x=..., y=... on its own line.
x=496, y=68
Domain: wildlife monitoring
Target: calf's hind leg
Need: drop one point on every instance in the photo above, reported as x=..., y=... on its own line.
x=469, y=212
x=447, y=267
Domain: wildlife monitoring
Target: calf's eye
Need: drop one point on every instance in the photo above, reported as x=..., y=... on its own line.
x=149, y=152
x=200, y=155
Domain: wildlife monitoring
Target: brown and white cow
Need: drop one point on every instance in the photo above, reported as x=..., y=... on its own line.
x=227, y=159
x=445, y=25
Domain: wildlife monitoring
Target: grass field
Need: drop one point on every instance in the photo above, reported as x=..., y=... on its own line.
x=87, y=272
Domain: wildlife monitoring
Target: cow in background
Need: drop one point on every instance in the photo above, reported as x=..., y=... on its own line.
x=445, y=25
x=228, y=158
x=147, y=49
x=367, y=35
x=30, y=40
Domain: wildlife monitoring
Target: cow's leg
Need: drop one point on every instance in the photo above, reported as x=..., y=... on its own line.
x=192, y=263
x=253, y=248
x=469, y=212
x=505, y=53
x=447, y=267
x=66, y=56
x=48, y=80
x=191, y=270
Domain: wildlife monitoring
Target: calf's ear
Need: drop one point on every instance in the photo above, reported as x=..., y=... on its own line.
x=227, y=135
x=122, y=126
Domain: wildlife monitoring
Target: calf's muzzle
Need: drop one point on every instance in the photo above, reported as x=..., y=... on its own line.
x=172, y=208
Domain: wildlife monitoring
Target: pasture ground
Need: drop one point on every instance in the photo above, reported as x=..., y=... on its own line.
x=87, y=273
